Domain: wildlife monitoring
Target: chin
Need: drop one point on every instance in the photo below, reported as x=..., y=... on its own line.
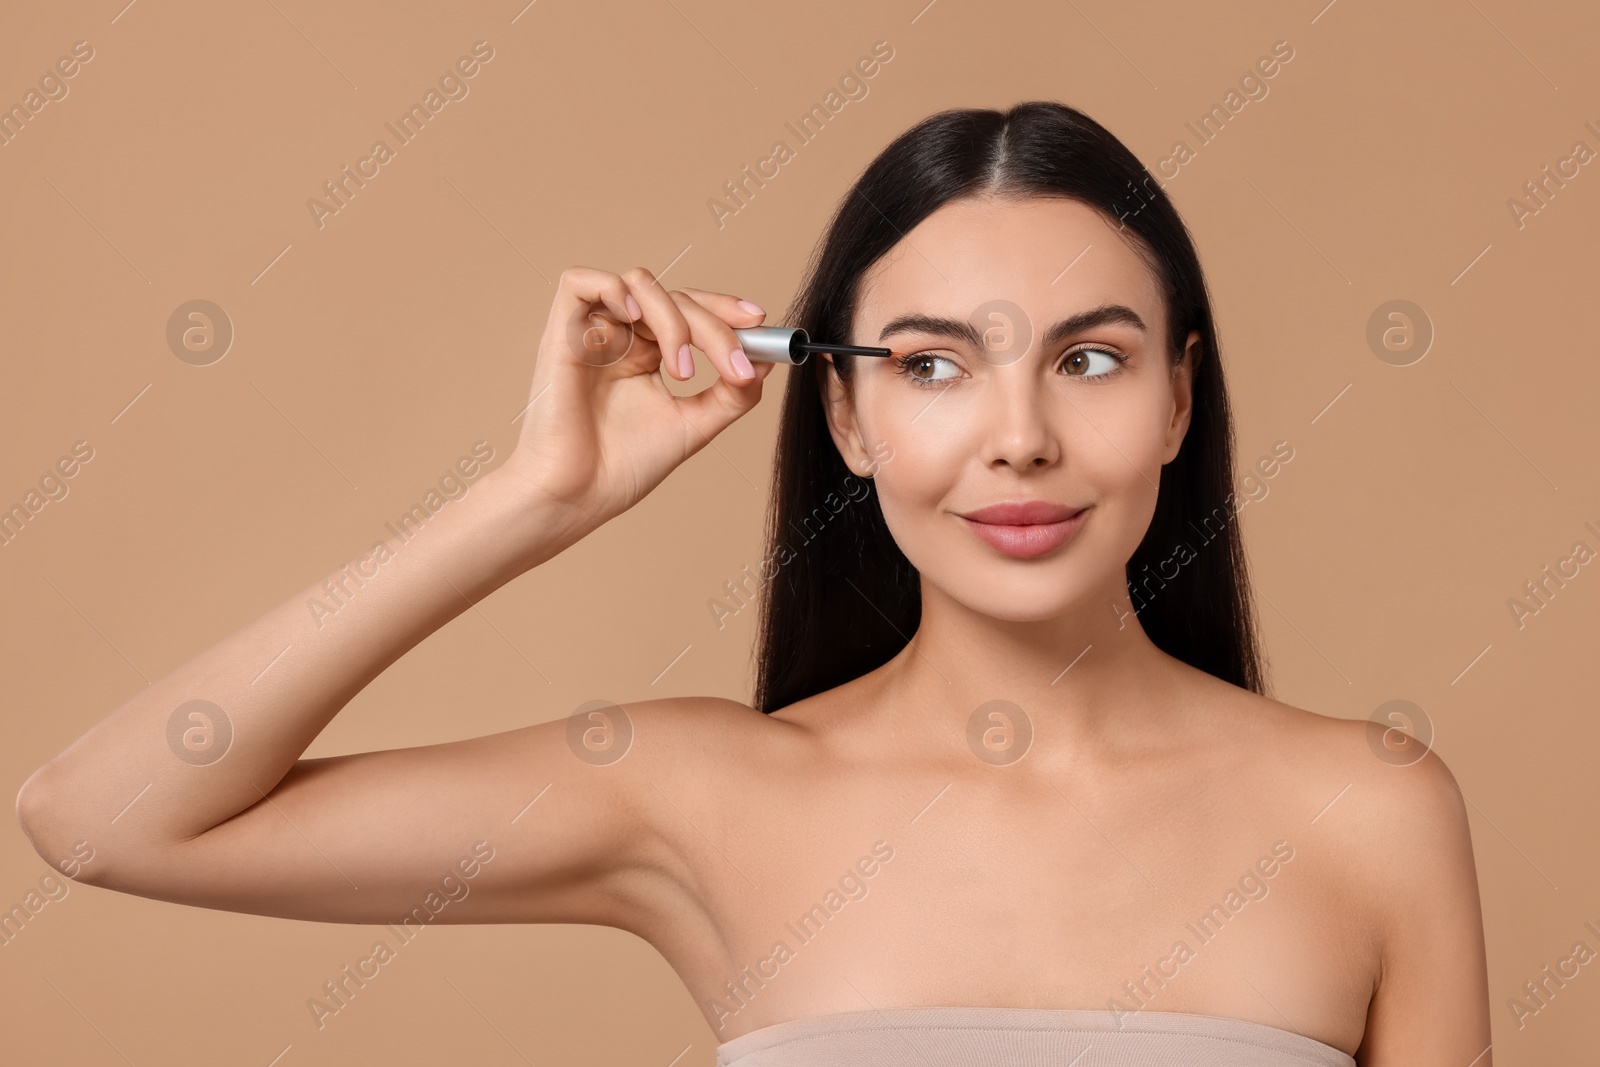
x=1030, y=596
x=1025, y=613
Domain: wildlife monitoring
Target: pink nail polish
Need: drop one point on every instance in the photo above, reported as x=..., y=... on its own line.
x=741, y=363
x=686, y=362
x=754, y=309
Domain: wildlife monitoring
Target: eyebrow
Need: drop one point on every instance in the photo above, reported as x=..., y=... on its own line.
x=961, y=330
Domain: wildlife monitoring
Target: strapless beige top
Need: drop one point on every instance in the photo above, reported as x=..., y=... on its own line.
x=1023, y=1037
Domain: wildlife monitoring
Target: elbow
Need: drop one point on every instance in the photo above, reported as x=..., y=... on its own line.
x=51, y=828
x=33, y=808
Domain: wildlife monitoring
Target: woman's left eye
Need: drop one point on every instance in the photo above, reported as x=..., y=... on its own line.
x=1079, y=364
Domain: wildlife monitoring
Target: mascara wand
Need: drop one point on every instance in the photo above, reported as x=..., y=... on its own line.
x=788, y=344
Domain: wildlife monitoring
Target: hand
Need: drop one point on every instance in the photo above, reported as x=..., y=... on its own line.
x=603, y=429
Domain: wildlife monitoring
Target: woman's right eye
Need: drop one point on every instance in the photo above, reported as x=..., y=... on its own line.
x=908, y=366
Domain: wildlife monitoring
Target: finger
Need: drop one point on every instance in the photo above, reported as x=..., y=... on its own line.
x=661, y=322
x=713, y=336
x=713, y=409
x=730, y=309
x=591, y=286
x=577, y=293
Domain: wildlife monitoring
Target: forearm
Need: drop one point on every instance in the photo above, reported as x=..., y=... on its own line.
x=165, y=775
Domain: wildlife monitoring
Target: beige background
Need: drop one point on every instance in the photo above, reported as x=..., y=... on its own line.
x=370, y=353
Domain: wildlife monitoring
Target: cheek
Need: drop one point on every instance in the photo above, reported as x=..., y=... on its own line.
x=1120, y=462
x=1111, y=440
x=932, y=451
x=1117, y=438
x=930, y=435
x=923, y=474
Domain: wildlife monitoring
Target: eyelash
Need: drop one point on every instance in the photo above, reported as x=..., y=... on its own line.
x=903, y=366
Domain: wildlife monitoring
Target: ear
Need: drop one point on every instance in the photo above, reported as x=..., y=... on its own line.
x=1183, y=395
x=840, y=412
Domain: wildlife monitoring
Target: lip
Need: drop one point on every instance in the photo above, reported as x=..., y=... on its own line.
x=1024, y=529
x=1021, y=513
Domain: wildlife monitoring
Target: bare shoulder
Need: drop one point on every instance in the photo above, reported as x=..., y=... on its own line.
x=696, y=751
x=1393, y=791
x=688, y=727
x=1387, y=823
x=1383, y=805
x=1378, y=778
x=1386, y=806
x=1400, y=814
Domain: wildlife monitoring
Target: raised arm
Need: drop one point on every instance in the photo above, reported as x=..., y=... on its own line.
x=195, y=790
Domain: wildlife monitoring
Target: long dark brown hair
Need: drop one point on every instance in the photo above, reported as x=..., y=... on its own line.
x=839, y=597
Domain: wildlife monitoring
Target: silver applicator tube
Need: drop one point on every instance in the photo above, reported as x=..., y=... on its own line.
x=788, y=344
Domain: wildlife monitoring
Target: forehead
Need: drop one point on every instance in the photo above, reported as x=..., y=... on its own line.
x=972, y=252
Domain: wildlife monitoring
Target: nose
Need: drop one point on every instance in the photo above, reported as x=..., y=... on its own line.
x=1020, y=431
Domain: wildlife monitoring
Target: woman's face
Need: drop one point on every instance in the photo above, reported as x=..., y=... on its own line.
x=1041, y=374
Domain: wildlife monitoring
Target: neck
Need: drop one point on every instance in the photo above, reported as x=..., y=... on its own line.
x=1092, y=672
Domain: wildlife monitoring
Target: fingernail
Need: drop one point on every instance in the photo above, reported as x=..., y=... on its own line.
x=633, y=306
x=741, y=364
x=754, y=309
x=686, y=362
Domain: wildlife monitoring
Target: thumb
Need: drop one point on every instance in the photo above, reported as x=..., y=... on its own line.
x=715, y=408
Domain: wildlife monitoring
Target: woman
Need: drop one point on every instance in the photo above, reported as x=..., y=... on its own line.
x=1009, y=791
